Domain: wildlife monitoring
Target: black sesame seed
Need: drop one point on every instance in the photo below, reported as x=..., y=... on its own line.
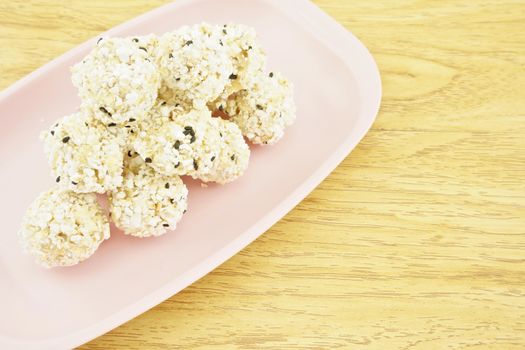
x=187, y=127
x=132, y=131
x=148, y=160
x=195, y=165
x=250, y=47
x=185, y=210
x=132, y=120
x=167, y=185
x=58, y=179
x=112, y=124
x=74, y=183
x=128, y=126
x=104, y=110
x=99, y=40
x=86, y=124
x=176, y=145
x=172, y=200
x=259, y=107
x=170, y=55
x=176, y=165
x=233, y=76
x=177, y=105
x=224, y=31
x=65, y=139
x=177, y=79
x=135, y=40
x=166, y=225
x=271, y=74
x=221, y=108
x=163, y=103
x=189, y=42
x=143, y=48
x=129, y=154
x=225, y=25
x=52, y=132
x=212, y=158
x=220, y=42
x=220, y=134
x=232, y=157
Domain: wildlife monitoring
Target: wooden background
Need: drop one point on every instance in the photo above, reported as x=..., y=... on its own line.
x=416, y=241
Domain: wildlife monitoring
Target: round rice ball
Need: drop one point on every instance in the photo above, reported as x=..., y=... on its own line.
x=118, y=80
x=84, y=156
x=147, y=203
x=63, y=228
x=233, y=156
x=265, y=110
x=247, y=56
x=194, y=64
x=181, y=144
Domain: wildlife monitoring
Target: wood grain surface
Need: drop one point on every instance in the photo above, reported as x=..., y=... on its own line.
x=416, y=241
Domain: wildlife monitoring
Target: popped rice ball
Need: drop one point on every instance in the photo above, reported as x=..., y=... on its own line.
x=84, y=157
x=118, y=80
x=247, y=56
x=183, y=144
x=265, y=110
x=147, y=203
x=63, y=228
x=194, y=64
x=233, y=157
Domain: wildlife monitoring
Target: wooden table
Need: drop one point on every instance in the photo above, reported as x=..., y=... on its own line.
x=416, y=241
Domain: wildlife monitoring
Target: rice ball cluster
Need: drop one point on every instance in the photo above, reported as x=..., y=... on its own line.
x=148, y=115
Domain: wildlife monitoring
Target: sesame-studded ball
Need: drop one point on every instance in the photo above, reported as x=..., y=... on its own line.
x=118, y=80
x=84, y=156
x=179, y=145
x=247, y=56
x=193, y=64
x=63, y=228
x=147, y=203
x=265, y=110
x=232, y=158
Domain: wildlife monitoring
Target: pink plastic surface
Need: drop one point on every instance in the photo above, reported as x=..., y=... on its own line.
x=338, y=92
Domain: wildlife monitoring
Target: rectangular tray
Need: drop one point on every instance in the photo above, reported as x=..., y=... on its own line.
x=338, y=92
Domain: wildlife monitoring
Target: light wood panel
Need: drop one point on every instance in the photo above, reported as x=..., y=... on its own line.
x=416, y=241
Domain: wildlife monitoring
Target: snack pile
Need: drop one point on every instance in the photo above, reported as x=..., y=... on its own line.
x=148, y=116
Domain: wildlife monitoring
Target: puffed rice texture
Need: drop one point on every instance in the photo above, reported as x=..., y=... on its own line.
x=84, y=156
x=147, y=203
x=63, y=228
x=265, y=110
x=118, y=80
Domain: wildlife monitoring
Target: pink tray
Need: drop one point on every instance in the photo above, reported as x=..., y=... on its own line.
x=338, y=91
